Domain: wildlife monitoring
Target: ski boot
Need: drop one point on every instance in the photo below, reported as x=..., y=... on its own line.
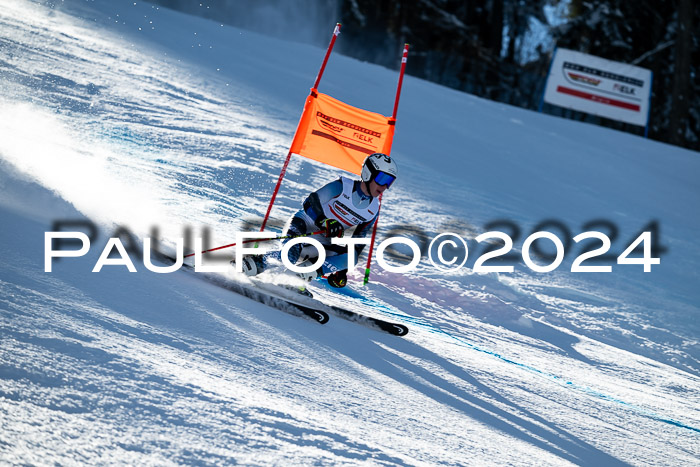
x=306, y=277
x=252, y=265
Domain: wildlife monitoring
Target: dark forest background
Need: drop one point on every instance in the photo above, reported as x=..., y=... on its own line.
x=501, y=49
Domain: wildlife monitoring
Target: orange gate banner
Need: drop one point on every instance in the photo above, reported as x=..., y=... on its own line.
x=340, y=135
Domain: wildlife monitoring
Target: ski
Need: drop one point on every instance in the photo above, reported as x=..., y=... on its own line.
x=340, y=312
x=266, y=297
x=288, y=301
x=375, y=323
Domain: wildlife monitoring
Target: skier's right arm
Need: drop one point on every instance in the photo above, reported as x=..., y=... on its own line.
x=313, y=204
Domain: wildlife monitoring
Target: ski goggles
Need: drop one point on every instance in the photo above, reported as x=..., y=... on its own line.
x=383, y=178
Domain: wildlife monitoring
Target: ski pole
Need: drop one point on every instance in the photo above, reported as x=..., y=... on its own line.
x=284, y=237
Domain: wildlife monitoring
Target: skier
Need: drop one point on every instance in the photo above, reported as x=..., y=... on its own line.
x=339, y=205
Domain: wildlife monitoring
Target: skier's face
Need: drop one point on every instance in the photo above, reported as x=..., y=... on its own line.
x=376, y=190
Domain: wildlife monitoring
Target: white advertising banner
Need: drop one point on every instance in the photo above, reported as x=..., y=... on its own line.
x=598, y=86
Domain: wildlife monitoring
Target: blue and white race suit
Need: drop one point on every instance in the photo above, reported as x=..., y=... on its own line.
x=344, y=201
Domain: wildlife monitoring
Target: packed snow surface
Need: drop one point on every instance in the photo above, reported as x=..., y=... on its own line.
x=152, y=123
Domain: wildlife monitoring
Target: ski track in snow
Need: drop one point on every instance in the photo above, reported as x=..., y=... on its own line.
x=132, y=115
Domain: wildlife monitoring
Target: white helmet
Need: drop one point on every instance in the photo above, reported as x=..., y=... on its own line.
x=379, y=165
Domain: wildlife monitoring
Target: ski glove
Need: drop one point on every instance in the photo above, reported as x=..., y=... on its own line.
x=338, y=279
x=332, y=227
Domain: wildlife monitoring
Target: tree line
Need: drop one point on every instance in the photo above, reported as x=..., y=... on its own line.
x=487, y=48
x=501, y=49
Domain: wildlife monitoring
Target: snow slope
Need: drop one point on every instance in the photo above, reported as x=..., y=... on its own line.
x=135, y=116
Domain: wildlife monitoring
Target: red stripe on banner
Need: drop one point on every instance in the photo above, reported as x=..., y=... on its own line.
x=339, y=217
x=596, y=98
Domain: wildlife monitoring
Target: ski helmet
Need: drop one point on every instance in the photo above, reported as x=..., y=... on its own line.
x=381, y=166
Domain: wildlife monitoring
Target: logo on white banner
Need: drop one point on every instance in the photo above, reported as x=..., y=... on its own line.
x=598, y=86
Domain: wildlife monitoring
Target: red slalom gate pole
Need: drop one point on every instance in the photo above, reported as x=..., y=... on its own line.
x=277, y=189
x=371, y=244
x=336, y=32
x=404, y=59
